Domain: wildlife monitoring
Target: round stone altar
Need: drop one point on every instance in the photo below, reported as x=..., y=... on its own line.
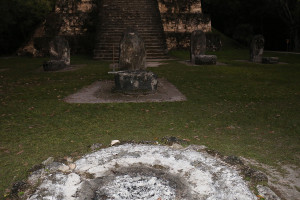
x=135, y=171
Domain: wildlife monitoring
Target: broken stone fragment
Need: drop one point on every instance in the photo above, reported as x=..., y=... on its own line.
x=48, y=161
x=114, y=142
x=72, y=166
x=96, y=146
x=266, y=193
x=63, y=168
x=177, y=146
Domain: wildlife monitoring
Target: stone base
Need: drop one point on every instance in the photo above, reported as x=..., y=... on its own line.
x=131, y=82
x=54, y=65
x=205, y=60
x=270, y=60
x=256, y=59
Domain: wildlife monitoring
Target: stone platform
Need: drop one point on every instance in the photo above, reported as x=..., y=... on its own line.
x=133, y=171
x=101, y=92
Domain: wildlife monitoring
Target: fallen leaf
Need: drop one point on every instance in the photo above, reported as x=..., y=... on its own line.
x=31, y=108
x=196, y=137
x=20, y=152
x=188, y=140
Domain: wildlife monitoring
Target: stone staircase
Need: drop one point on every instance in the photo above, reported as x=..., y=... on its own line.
x=116, y=15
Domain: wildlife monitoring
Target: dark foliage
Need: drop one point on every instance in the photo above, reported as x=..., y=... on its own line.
x=18, y=20
x=277, y=20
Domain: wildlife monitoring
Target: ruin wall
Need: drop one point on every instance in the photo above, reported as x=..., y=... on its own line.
x=179, y=19
x=77, y=21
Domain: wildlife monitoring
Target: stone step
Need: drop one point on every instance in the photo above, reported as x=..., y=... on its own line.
x=147, y=40
x=116, y=49
x=117, y=15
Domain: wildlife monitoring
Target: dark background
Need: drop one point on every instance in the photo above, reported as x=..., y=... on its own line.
x=277, y=20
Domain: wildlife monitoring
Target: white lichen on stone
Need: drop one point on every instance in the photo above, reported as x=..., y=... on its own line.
x=201, y=175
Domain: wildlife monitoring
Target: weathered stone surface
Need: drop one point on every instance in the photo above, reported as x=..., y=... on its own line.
x=59, y=54
x=257, y=48
x=213, y=41
x=145, y=172
x=132, y=51
x=54, y=65
x=270, y=60
x=205, y=60
x=136, y=82
x=60, y=50
x=48, y=161
x=179, y=19
x=198, y=44
x=266, y=193
x=256, y=176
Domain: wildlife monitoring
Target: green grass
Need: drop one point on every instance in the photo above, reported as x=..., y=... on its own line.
x=242, y=109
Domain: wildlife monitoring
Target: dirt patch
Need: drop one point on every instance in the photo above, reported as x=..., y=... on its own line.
x=286, y=183
x=101, y=92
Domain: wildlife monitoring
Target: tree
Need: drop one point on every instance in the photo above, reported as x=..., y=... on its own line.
x=241, y=19
x=289, y=11
x=18, y=20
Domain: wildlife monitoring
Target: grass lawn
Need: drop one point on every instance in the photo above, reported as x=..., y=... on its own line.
x=243, y=109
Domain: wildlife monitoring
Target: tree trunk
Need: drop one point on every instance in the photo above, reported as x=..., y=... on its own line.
x=296, y=40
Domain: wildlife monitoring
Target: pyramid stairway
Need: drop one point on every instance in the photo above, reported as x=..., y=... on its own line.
x=116, y=15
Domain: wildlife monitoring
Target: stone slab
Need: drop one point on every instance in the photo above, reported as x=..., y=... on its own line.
x=101, y=92
x=66, y=69
x=270, y=60
x=188, y=62
x=205, y=60
x=4, y=69
x=248, y=61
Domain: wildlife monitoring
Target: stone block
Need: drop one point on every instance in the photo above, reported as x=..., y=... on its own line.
x=205, y=60
x=270, y=60
x=131, y=82
x=54, y=65
x=257, y=48
x=198, y=44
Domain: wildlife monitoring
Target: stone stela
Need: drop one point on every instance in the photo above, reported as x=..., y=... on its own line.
x=257, y=50
x=198, y=48
x=59, y=51
x=133, y=77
